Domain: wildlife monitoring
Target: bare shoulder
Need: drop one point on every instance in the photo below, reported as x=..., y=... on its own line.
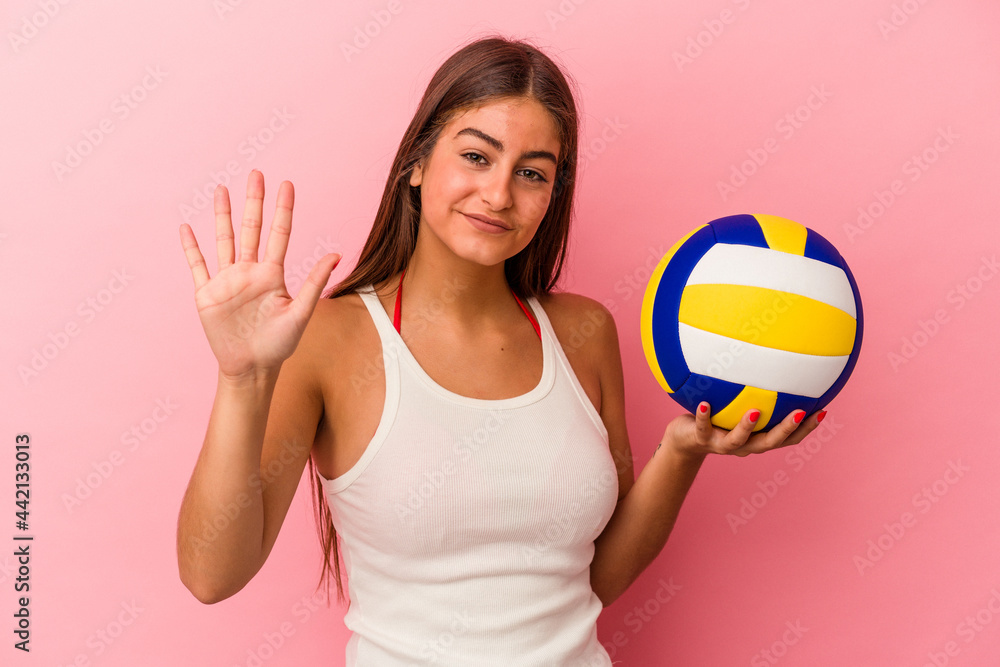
x=568, y=300
x=335, y=317
x=334, y=336
x=587, y=331
x=583, y=325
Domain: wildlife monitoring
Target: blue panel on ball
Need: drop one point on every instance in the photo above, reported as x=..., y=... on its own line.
x=788, y=403
x=666, y=336
x=852, y=361
x=820, y=249
x=698, y=388
x=739, y=229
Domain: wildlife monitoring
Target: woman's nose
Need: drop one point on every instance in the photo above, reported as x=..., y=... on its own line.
x=496, y=189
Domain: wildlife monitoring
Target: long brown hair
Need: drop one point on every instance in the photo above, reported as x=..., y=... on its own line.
x=480, y=72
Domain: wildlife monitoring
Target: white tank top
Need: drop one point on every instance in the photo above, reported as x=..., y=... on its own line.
x=467, y=527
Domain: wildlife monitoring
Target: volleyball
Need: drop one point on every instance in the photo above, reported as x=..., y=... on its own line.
x=752, y=311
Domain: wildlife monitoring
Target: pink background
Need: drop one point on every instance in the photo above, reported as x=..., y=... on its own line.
x=886, y=81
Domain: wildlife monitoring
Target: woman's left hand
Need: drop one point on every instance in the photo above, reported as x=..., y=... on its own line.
x=695, y=435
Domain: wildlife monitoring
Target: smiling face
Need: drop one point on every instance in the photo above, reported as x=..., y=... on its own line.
x=486, y=185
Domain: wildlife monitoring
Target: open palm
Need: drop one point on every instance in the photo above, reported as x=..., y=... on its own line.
x=251, y=322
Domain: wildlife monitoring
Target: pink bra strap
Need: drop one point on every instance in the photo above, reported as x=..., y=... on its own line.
x=532, y=319
x=397, y=317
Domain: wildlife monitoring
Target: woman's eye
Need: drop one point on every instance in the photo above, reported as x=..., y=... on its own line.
x=530, y=174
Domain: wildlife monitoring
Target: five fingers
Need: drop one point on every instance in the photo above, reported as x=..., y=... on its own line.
x=277, y=240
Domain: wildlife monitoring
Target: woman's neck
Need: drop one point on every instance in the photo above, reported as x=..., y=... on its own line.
x=440, y=286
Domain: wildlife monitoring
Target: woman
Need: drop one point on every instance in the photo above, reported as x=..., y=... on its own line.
x=469, y=447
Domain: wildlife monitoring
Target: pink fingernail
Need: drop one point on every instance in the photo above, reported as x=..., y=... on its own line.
x=798, y=417
x=754, y=415
x=703, y=409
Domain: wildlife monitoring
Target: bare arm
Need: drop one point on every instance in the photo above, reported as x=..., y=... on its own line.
x=648, y=509
x=258, y=440
x=642, y=522
x=267, y=403
x=221, y=524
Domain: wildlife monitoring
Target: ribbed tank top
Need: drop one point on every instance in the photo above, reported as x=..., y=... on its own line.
x=467, y=527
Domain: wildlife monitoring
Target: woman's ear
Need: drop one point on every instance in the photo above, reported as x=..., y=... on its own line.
x=416, y=175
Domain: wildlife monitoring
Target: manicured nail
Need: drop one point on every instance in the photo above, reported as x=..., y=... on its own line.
x=703, y=408
x=799, y=416
x=754, y=415
x=820, y=416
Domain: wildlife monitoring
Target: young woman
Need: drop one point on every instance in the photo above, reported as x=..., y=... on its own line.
x=464, y=423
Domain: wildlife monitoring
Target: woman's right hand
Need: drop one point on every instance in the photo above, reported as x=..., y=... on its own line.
x=251, y=322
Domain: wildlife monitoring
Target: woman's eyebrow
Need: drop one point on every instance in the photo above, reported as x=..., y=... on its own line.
x=498, y=145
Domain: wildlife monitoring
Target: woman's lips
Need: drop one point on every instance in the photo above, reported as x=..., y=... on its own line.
x=489, y=225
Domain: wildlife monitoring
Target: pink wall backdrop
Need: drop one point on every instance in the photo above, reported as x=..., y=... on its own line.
x=874, y=122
